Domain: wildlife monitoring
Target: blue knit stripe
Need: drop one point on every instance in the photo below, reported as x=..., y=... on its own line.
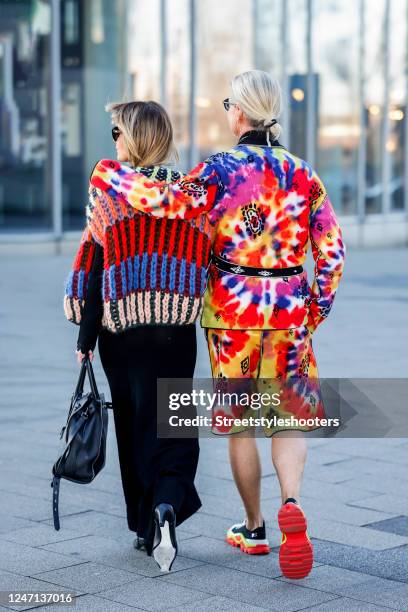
x=153, y=271
x=163, y=271
x=173, y=265
x=136, y=269
x=69, y=290
x=104, y=281
x=130, y=273
x=81, y=279
x=112, y=285
x=192, y=278
x=203, y=279
x=143, y=278
x=182, y=278
x=123, y=277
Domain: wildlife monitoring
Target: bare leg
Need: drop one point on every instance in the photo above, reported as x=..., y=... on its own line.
x=289, y=456
x=246, y=469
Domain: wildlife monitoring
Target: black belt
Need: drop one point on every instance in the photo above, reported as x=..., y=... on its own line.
x=227, y=266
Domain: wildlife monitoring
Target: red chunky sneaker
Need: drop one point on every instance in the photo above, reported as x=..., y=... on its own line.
x=296, y=550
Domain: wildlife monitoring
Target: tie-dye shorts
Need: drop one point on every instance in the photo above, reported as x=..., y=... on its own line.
x=268, y=362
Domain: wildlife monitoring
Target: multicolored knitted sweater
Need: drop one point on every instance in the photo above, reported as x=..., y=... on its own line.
x=154, y=269
x=269, y=205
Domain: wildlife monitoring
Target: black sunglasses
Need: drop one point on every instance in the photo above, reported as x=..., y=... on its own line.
x=115, y=132
x=227, y=104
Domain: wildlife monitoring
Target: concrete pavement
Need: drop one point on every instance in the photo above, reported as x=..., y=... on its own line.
x=355, y=491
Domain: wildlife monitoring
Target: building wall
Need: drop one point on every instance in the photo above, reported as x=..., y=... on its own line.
x=343, y=66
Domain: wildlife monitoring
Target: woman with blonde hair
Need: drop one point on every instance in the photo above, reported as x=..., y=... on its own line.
x=265, y=204
x=136, y=285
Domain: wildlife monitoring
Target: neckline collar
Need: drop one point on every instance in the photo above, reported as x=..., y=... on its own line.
x=257, y=137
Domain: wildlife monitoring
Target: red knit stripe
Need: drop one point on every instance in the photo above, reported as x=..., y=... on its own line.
x=161, y=238
x=79, y=258
x=199, y=249
x=88, y=263
x=152, y=228
x=116, y=243
x=124, y=239
x=190, y=244
x=132, y=231
x=142, y=233
x=181, y=241
x=172, y=238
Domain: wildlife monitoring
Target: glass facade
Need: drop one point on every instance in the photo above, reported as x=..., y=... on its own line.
x=343, y=66
x=92, y=70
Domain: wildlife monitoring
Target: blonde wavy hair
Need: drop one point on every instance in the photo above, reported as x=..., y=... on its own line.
x=260, y=97
x=147, y=131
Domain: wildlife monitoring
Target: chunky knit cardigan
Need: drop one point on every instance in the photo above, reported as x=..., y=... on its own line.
x=269, y=206
x=154, y=269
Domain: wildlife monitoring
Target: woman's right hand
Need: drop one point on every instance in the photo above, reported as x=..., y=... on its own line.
x=81, y=356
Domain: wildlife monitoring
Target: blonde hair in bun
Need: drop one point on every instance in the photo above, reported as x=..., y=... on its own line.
x=260, y=97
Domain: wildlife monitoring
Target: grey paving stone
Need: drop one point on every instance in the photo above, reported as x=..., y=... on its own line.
x=102, y=524
x=380, y=591
x=227, y=488
x=383, y=503
x=222, y=469
x=34, y=509
x=389, y=450
x=107, y=551
x=10, y=581
x=222, y=507
x=326, y=529
x=22, y=559
x=333, y=579
x=223, y=604
x=9, y=523
x=216, y=486
x=210, y=525
x=220, y=553
x=397, y=525
x=88, y=577
x=249, y=588
x=379, y=465
x=326, y=508
x=255, y=590
x=333, y=472
x=345, y=492
x=380, y=468
x=391, y=563
x=92, y=522
x=387, y=484
x=345, y=604
x=93, y=603
x=151, y=594
x=38, y=535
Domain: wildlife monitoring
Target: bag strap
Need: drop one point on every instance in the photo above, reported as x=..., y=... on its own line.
x=81, y=379
x=55, y=500
x=91, y=377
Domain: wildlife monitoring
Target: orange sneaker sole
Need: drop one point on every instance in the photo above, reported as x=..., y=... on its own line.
x=258, y=549
x=296, y=550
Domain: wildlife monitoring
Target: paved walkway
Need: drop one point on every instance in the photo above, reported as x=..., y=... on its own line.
x=355, y=491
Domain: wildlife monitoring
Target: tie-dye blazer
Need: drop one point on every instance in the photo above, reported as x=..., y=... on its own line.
x=265, y=205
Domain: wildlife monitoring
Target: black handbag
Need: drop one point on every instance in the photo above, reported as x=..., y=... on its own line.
x=85, y=437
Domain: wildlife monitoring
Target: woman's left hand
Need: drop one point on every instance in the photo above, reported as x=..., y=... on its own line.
x=81, y=356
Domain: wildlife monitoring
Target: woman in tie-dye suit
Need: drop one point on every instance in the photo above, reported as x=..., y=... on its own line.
x=264, y=205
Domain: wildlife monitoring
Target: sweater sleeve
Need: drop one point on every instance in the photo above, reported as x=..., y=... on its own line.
x=328, y=253
x=185, y=198
x=93, y=308
x=76, y=284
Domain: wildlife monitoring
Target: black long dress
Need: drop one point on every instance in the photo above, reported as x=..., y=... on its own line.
x=153, y=469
